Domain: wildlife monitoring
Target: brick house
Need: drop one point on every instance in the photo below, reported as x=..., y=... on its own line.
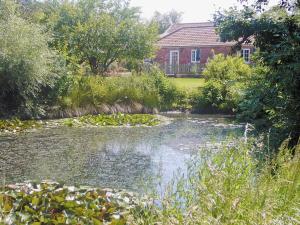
x=185, y=48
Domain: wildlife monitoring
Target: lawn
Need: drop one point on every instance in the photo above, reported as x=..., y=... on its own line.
x=189, y=84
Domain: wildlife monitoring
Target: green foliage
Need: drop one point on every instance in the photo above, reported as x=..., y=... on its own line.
x=27, y=66
x=275, y=98
x=227, y=69
x=103, y=40
x=151, y=90
x=167, y=90
x=52, y=203
x=231, y=187
x=226, y=79
x=93, y=34
x=94, y=91
x=96, y=32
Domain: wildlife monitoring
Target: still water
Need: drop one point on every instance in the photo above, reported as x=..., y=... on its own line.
x=110, y=157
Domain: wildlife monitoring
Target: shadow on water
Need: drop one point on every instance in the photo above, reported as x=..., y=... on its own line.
x=110, y=157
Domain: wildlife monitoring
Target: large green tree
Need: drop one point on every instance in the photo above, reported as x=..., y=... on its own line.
x=98, y=32
x=27, y=65
x=274, y=96
x=104, y=40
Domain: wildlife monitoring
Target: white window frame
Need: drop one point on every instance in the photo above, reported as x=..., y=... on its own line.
x=172, y=51
x=243, y=54
x=195, y=61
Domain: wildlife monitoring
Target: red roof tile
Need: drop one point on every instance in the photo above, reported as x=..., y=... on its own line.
x=191, y=34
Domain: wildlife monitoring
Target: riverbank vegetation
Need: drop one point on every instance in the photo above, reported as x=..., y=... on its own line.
x=144, y=93
x=231, y=187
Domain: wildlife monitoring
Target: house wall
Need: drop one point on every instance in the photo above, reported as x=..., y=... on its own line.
x=163, y=54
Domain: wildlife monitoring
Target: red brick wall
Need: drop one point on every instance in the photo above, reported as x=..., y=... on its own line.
x=163, y=54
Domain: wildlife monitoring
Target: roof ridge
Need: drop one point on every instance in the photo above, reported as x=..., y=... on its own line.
x=168, y=33
x=195, y=22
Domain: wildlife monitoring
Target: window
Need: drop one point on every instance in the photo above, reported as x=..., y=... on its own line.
x=245, y=53
x=196, y=55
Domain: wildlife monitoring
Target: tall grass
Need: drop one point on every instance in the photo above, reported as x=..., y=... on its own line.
x=135, y=94
x=231, y=187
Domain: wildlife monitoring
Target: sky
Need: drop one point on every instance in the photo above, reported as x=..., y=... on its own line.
x=193, y=10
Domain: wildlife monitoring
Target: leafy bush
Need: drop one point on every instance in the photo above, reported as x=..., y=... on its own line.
x=167, y=90
x=27, y=66
x=231, y=187
x=227, y=69
x=226, y=79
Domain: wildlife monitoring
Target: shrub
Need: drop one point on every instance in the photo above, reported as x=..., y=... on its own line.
x=226, y=79
x=227, y=69
x=168, y=92
x=27, y=66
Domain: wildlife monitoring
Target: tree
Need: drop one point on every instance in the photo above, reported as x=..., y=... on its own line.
x=275, y=96
x=164, y=21
x=27, y=65
x=104, y=40
x=97, y=32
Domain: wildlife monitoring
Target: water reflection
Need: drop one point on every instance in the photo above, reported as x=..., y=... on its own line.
x=109, y=157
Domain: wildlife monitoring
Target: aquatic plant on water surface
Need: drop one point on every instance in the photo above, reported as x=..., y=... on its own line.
x=52, y=203
x=16, y=125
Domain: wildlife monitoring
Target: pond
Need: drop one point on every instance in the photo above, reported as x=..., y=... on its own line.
x=114, y=157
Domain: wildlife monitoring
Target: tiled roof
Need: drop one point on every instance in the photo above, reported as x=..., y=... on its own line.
x=191, y=34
